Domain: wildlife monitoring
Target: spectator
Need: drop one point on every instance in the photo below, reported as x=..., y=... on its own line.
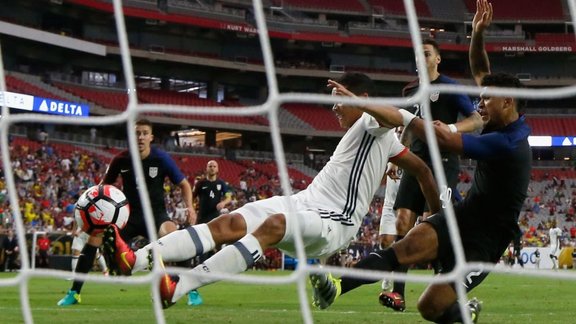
x=10, y=247
x=43, y=244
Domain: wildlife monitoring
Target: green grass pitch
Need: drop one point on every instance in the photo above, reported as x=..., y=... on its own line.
x=506, y=298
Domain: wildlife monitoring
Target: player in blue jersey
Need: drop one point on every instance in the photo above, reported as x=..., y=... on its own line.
x=446, y=108
x=212, y=193
x=487, y=217
x=157, y=165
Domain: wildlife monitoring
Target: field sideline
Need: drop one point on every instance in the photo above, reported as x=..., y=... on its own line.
x=507, y=299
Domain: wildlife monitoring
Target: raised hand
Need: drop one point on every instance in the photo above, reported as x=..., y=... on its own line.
x=483, y=16
x=338, y=89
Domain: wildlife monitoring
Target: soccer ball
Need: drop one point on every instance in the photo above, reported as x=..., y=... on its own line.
x=100, y=206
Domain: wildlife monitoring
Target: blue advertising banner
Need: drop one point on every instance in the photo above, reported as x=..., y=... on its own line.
x=550, y=141
x=43, y=105
x=56, y=107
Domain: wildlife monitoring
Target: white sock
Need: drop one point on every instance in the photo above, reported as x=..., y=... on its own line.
x=232, y=259
x=102, y=262
x=177, y=246
x=74, y=262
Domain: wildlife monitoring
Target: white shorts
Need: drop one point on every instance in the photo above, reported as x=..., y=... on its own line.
x=322, y=233
x=388, y=222
x=555, y=250
x=79, y=241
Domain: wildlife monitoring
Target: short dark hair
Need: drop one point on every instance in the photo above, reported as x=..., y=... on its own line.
x=357, y=83
x=433, y=43
x=505, y=80
x=144, y=122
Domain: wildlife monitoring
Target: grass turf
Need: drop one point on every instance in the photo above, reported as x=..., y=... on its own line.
x=506, y=298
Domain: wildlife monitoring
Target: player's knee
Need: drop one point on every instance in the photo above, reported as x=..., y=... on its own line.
x=232, y=224
x=272, y=230
x=428, y=310
x=167, y=228
x=237, y=223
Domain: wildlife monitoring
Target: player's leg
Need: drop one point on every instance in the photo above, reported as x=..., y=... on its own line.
x=387, y=236
x=168, y=226
x=75, y=257
x=482, y=242
x=78, y=244
x=419, y=245
x=224, y=229
x=409, y=204
x=102, y=263
x=175, y=246
x=276, y=229
x=439, y=302
x=554, y=257
x=194, y=297
x=234, y=258
x=84, y=265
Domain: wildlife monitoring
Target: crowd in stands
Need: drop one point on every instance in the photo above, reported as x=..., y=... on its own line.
x=551, y=198
x=49, y=181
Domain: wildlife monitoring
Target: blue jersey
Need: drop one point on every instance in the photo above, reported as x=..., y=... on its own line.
x=209, y=194
x=157, y=166
x=445, y=107
x=503, y=172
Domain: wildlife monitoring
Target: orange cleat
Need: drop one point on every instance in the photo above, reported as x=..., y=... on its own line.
x=119, y=256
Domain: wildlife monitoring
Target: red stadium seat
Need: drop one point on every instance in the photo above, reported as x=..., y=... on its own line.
x=319, y=117
x=520, y=9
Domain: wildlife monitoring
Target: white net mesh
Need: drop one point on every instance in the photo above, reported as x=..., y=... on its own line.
x=270, y=108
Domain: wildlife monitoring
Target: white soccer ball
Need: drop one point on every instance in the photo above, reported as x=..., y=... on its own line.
x=100, y=206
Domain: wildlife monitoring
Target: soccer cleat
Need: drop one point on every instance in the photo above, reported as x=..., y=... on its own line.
x=475, y=307
x=392, y=300
x=167, y=289
x=119, y=256
x=194, y=298
x=326, y=289
x=71, y=298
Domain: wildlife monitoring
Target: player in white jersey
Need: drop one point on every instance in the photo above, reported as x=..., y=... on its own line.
x=554, y=234
x=327, y=214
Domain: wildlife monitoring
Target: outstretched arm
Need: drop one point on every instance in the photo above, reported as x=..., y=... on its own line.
x=447, y=141
x=386, y=115
x=469, y=124
x=479, y=62
x=390, y=116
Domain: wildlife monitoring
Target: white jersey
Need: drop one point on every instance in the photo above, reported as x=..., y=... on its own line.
x=348, y=182
x=554, y=234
